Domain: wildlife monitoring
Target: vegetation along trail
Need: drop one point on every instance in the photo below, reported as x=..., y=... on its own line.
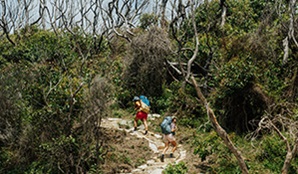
x=155, y=143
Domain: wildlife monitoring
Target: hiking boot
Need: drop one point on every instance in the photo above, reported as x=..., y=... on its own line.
x=135, y=129
x=171, y=155
x=162, y=158
x=145, y=132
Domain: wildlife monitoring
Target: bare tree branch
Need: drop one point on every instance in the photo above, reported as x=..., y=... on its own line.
x=191, y=60
x=219, y=130
x=287, y=130
x=223, y=12
x=291, y=25
x=119, y=16
x=285, y=44
x=290, y=36
x=41, y=16
x=4, y=24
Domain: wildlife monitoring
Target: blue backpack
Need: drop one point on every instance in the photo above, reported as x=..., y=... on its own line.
x=166, y=125
x=145, y=100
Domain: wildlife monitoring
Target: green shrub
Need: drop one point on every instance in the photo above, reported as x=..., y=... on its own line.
x=273, y=153
x=179, y=168
x=48, y=84
x=180, y=101
x=206, y=145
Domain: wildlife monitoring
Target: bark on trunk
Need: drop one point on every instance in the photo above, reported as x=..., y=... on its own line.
x=290, y=152
x=219, y=130
x=223, y=12
x=289, y=157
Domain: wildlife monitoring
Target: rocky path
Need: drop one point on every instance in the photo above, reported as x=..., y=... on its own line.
x=155, y=143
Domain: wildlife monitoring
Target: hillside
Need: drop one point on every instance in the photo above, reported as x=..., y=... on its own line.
x=228, y=70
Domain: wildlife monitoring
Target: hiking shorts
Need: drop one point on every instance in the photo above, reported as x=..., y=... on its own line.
x=141, y=115
x=168, y=138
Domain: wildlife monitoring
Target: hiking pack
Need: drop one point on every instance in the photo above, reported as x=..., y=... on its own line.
x=145, y=108
x=145, y=104
x=145, y=100
x=166, y=125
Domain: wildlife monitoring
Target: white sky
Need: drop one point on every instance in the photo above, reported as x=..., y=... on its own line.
x=16, y=18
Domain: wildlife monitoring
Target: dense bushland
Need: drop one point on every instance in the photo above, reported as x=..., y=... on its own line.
x=55, y=87
x=53, y=95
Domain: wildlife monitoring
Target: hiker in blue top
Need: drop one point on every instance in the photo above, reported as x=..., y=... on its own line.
x=169, y=128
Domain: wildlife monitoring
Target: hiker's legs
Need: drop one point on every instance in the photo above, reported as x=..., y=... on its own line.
x=164, y=151
x=135, y=123
x=145, y=124
x=166, y=148
x=174, y=143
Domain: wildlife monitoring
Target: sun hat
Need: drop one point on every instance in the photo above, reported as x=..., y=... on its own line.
x=136, y=98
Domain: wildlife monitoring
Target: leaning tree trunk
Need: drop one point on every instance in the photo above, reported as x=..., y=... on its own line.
x=290, y=152
x=223, y=7
x=289, y=157
x=219, y=130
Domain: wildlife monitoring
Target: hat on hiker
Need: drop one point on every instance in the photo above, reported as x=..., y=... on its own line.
x=136, y=98
x=174, y=117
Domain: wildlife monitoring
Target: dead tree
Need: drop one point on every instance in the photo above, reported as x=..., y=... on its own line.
x=285, y=127
x=195, y=52
x=223, y=7
x=120, y=17
x=291, y=30
x=183, y=14
x=5, y=22
x=163, y=13
x=219, y=130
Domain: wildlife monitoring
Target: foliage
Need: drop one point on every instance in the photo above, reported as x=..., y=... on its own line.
x=179, y=168
x=240, y=16
x=56, y=86
x=148, y=20
x=238, y=62
x=266, y=154
x=56, y=93
x=236, y=75
x=177, y=100
x=272, y=154
x=12, y=107
x=145, y=73
x=206, y=145
x=239, y=99
x=210, y=148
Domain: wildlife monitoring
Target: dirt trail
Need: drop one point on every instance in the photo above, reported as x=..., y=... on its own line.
x=155, y=143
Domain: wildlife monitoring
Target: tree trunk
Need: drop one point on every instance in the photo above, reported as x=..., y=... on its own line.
x=163, y=22
x=289, y=157
x=290, y=152
x=219, y=130
x=223, y=12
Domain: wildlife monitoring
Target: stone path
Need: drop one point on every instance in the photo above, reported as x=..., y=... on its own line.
x=155, y=143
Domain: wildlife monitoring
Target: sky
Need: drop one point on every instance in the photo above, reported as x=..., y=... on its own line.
x=17, y=18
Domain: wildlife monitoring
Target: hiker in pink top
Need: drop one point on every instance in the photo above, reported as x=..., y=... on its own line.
x=141, y=114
